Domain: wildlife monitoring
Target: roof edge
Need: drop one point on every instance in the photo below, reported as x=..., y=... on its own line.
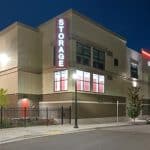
x=13, y=25
x=90, y=20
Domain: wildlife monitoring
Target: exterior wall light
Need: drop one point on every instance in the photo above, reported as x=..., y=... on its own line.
x=148, y=63
x=134, y=83
x=4, y=59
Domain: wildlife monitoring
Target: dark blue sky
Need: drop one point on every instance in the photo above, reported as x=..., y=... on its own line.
x=129, y=18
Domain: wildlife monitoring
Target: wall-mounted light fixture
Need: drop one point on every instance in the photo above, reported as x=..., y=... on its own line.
x=4, y=59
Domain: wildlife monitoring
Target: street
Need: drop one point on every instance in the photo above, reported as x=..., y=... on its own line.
x=112, y=138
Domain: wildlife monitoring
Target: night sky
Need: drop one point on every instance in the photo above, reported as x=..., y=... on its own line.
x=129, y=18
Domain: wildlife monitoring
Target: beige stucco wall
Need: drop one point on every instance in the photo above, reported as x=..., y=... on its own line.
x=29, y=83
x=88, y=32
x=9, y=81
x=83, y=30
x=8, y=46
x=102, y=39
x=143, y=71
x=29, y=49
x=29, y=60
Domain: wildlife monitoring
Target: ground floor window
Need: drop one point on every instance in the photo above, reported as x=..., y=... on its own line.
x=98, y=83
x=83, y=80
x=86, y=81
x=61, y=80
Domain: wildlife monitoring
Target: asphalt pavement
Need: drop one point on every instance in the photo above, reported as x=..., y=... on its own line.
x=110, y=138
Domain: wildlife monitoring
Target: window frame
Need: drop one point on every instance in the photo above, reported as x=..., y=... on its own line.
x=83, y=82
x=134, y=70
x=98, y=83
x=84, y=55
x=98, y=58
x=116, y=62
x=61, y=81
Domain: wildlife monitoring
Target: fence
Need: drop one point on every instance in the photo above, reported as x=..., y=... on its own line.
x=22, y=117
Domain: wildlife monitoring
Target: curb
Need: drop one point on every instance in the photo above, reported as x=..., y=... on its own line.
x=57, y=132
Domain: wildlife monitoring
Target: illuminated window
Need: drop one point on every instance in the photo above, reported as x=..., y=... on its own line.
x=61, y=81
x=98, y=83
x=83, y=81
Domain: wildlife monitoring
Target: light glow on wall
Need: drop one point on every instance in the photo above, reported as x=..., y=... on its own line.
x=148, y=63
x=134, y=83
x=75, y=76
x=4, y=59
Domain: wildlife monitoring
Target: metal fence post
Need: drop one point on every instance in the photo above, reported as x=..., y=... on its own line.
x=62, y=115
x=47, y=116
x=70, y=114
x=25, y=116
x=117, y=111
x=1, y=115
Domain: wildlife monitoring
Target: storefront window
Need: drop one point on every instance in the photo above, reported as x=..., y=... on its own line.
x=98, y=83
x=83, y=81
x=61, y=80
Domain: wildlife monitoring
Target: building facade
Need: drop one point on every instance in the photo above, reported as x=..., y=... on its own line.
x=42, y=61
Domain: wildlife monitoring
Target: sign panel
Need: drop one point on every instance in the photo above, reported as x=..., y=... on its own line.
x=145, y=54
x=61, y=43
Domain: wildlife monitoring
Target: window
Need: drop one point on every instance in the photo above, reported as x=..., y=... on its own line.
x=98, y=59
x=54, y=56
x=134, y=70
x=61, y=80
x=83, y=81
x=83, y=55
x=98, y=83
x=109, y=53
x=116, y=62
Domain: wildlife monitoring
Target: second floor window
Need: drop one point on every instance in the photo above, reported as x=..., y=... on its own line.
x=134, y=70
x=83, y=54
x=98, y=59
x=116, y=63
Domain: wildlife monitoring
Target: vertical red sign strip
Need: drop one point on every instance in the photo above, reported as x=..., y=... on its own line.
x=61, y=44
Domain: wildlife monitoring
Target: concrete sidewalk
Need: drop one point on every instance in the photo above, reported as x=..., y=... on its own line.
x=18, y=134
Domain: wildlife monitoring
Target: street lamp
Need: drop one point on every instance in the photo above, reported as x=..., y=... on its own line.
x=76, y=103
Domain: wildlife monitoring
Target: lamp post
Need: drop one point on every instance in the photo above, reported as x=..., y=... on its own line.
x=75, y=102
